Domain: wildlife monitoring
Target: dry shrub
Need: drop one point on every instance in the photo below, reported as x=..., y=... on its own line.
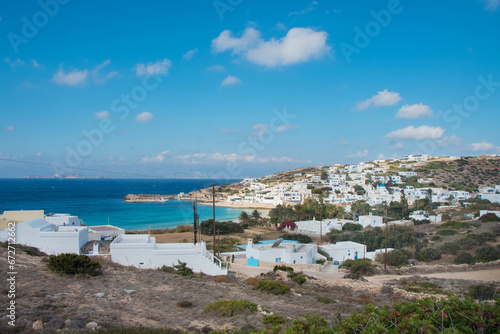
x=252, y=281
x=184, y=304
x=221, y=279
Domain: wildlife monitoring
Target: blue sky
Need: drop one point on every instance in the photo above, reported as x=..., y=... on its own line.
x=230, y=89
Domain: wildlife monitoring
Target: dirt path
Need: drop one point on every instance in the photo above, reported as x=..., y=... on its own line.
x=489, y=275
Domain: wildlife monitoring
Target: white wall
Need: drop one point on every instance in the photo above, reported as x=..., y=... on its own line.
x=142, y=254
x=65, y=239
x=371, y=221
x=61, y=219
x=345, y=250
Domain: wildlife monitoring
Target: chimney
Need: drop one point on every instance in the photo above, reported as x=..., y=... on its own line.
x=250, y=243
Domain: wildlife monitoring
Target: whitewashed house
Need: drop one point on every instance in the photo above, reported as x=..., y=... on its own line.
x=415, y=157
x=371, y=220
x=63, y=219
x=345, y=250
x=104, y=232
x=407, y=174
x=291, y=253
x=316, y=226
x=142, y=251
x=49, y=238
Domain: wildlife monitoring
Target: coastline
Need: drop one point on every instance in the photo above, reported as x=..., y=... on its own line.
x=263, y=206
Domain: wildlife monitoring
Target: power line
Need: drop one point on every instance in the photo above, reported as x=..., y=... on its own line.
x=79, y=168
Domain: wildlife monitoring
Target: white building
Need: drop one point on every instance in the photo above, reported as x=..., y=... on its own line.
x=291, y=253
x=484, y=212
x=104, y=232
x=422, y=215
x=407, y=174
x=345, y=250
x=63, y=219
x=316, y=226
x=371, y=220
x=415, y=157
x=49, y=238
x=142, y=251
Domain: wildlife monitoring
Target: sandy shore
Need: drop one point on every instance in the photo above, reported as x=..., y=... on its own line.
x=234, y=205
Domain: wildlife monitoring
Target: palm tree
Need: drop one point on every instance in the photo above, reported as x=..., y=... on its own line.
x=256, y=215
x=244, y=217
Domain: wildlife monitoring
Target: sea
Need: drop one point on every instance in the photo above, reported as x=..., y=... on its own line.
x=99, y=201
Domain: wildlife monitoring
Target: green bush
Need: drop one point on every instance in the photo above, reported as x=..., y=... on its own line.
x=302, y=238
x=73, y=264
x=429, y=315
x=450, y=248
x=454, y=225
x=352, y=227
x=471, y=240
x=482, y=291
x=276, y=288
x=183, y=270
x=320, y=261
x=206, y=227
x=358, y=268
x=283, y=268
x=436, y=238
x=487, y=254
x=273, y=319
x=464, y=258
x=428, y=254
x=398, y=257
x=297, y=278
x=228, y=308
x=445, y=233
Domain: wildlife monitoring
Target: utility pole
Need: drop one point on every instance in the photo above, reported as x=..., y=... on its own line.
x=386, y=235
x=195, y=223
x=213, y=202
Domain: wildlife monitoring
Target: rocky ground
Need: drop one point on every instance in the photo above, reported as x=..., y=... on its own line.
x=126, y=296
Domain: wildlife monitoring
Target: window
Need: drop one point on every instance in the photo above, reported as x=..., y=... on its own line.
x=278, y=260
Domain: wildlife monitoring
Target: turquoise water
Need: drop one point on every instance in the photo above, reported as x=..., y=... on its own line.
x=96, y=201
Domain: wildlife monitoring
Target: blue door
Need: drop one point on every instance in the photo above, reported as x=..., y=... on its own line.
x=355, y=255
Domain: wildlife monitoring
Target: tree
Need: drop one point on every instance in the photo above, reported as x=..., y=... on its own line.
x=244, y=217
x=361, y=207
x=256, y=215
x=324, y=175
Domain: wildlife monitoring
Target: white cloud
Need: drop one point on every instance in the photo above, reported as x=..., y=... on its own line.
x=342, y=142
x=14, y=63
x=421, y=133
x=144, y=116
x=259, y=129
x=225, y=41
x=228, y=131
x=381, y=156
x=35, y=64
x=299, y=45
x=9, y=128
x=414, y=111
x=213, y=158
x=286, y=127
x=158, y=67
x=281, y=26
x=358, y=154
x=188, y=55
x=38, y=154
x=230, y=80
x=484, y=146
x=491, y=5
x=216, y=68
x=102, y=114
x=73, y=78
x=102, y=78
x=383, y=98
x=306, y=10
